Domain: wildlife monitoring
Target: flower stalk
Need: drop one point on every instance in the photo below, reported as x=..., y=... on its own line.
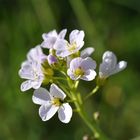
x=92, y=92
x=62, y=69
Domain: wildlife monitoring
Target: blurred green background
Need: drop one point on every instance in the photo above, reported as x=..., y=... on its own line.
x=109, y=25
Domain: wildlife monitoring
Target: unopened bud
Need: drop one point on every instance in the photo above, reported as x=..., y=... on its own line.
x=52, y=59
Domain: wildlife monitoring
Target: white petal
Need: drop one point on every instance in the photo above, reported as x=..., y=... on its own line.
x=49, y=42
x=41, y=96
x=63, y=53
x=36, y=83
x=88, y=63
x=87, y=52
x=104, y=70
x=73, y=36
x=108, y=64
x=52, y=33
x=77, y=36
x=65, y=113
x=120, y=66
x=47, y=112
x=26, y=70
x=35, y=54
x=26, y=85
x=60, y=44
x=56, y=92
x=89, y=75
x=110, y=59
x=62, y=34
x=71, y=75
x=22, y=73
x=75, y=63
x=61, y=48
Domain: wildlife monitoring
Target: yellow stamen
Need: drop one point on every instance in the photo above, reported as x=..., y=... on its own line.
x=56, y=102
x=72, y=47
x=79, y=72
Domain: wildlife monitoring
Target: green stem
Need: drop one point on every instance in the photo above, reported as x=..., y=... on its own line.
x=92, y=92
x=74, y=96
x=97, y=133
x=59, y=78
x=76, y=84
x=84, y=117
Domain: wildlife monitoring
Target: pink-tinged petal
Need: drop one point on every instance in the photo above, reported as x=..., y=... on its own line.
x=26, y=85
x=65, y=113
x=62, y=34
x=89, y=75
x=46, y=112
x=88, y=63
x=41, y=96
x=87, y=52
x=56, y=92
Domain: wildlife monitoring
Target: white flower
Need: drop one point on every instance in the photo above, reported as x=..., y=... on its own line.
x=84, y=53
x=82, y=69
x=51, y=37
x=36, y=54
x=87, y=52
x=109, y=65
x=64, y=49
x=52, y=102
x=31, y=71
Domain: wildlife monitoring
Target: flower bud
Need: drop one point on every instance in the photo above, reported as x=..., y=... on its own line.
x=52, y=59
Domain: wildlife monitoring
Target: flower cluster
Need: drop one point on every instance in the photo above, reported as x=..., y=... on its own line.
x=64, y=62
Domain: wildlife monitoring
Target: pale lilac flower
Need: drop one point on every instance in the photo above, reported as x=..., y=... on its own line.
x=87, y=52
x=52, y=59
x=31, y=69
x=64, y=48
x=51, y=37
x=82, y=69
x=84, y=53
x=32, y=72
x=109, y=65
x=52, y=102
x=36, y=54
